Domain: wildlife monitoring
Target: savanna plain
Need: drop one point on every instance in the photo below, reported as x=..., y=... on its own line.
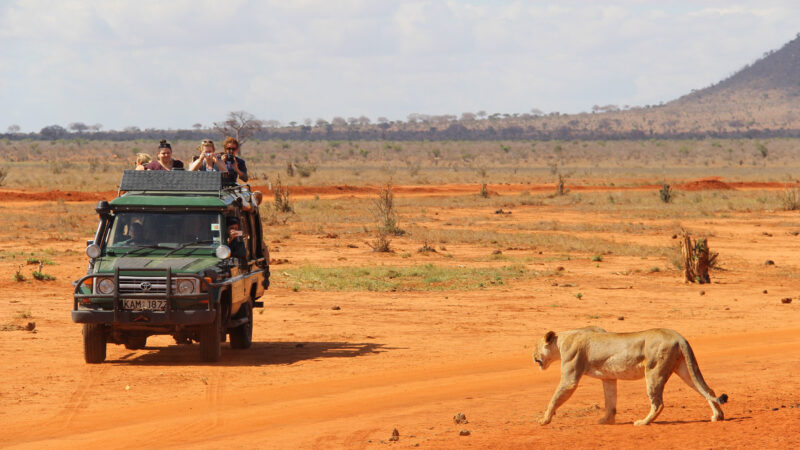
x=492, y=245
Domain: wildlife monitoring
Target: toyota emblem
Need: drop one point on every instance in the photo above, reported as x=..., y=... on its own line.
x=145, y=285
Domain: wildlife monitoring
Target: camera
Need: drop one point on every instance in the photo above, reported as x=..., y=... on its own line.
x=228, y=158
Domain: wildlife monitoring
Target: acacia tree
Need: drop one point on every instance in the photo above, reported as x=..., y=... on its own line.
x=239, y=124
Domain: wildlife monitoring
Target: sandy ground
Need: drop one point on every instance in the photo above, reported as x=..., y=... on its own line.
x=318, y=377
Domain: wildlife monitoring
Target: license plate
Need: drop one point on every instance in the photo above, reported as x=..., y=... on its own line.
x=144, y=304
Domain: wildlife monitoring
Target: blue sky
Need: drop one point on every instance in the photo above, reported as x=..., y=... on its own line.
x=170, y=64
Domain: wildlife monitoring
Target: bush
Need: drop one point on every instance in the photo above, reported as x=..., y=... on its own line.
x=665, y=193
x=790, y=199
x=41, y=276
x=282, y=197
x=3, y=175
x=305, y=171
x=560, y=189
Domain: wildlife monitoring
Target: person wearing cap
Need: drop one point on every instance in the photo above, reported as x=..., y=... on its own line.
x=208, y=160
x=236, y=166
x=165, y=161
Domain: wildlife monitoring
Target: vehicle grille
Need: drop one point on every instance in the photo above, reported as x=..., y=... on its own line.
x=150, y=285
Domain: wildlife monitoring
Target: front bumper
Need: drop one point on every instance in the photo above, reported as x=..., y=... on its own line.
x=170, y=316
x=144, y=318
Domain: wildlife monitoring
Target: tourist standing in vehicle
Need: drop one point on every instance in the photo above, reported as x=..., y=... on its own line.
x=208, y=160
x=236, y=166
x=165, y=161
x=142, y=159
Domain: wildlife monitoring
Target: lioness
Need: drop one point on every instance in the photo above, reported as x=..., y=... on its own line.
x=654, y=354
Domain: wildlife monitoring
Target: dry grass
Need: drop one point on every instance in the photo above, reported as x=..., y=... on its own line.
x=79, y=164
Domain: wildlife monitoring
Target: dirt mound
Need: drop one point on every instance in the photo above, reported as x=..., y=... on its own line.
x=705, y=184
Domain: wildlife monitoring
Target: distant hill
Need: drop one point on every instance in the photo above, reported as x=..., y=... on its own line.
x=777, y=70
x=759, y=101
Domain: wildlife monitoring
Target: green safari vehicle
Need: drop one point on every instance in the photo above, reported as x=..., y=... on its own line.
x=176, y=253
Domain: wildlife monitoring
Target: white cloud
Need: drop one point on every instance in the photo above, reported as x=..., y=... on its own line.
x=171, y=64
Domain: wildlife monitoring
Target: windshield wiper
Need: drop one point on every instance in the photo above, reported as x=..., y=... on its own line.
x=183, y=246
x=150, y=246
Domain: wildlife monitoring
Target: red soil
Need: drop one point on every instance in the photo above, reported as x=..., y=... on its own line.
x=410, y=190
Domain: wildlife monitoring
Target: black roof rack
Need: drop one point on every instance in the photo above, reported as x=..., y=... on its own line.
x=171, y=181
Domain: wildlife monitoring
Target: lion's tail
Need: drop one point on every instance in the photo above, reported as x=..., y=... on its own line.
x=697, y=377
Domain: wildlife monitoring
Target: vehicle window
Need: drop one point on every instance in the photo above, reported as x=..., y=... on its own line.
x=165, y=229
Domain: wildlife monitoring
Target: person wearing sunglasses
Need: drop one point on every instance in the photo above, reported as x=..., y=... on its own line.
x=236, y=166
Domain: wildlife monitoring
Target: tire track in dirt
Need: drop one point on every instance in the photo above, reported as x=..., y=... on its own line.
x=80, y=398
x=263, y=413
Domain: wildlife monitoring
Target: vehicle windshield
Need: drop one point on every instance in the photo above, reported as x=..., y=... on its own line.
x=165, y=230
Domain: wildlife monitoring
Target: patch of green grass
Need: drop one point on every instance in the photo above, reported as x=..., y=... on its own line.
x=41, y=276
x=428, y=277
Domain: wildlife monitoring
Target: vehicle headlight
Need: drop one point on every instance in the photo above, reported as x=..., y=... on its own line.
x=185, y=287
x=105, y=286
x=223, y=252
x=93, y=251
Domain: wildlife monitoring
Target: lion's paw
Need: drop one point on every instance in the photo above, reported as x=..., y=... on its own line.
x=641, y=423
x=544, y=421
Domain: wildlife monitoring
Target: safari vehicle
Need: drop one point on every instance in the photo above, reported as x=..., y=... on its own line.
x=163, y=262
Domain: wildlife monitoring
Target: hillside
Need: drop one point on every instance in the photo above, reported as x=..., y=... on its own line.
x=758, y=101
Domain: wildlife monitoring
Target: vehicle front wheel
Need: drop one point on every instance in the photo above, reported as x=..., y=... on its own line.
x=210, y=349
x=242, y=336
x=94, y=342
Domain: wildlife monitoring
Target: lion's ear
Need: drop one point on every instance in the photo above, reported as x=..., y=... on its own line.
x=550, y=337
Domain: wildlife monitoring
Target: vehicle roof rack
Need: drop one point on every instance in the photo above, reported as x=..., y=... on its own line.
x=171, y=181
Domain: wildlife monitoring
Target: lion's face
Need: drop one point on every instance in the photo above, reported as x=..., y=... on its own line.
x=544, y=351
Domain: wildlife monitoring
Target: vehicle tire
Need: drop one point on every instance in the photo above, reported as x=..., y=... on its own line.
x=210, y=349
x=135, y=342
x=94, y=342
x=242, y=336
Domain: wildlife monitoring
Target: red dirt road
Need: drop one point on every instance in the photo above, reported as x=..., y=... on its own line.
x=318, y=377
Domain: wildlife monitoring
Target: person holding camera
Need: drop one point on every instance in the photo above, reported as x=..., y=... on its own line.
x=236, y=166
x=208, y=160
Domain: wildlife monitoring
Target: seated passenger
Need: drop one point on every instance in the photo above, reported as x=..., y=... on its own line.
x=208, y=160
x=165, y=161
x=142, y=159
x=236, y=166
x=135, y=235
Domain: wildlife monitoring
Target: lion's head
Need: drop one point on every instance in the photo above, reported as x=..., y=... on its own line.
x=546, y=350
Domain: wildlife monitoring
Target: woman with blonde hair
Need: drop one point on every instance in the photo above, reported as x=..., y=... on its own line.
x=141, y=160
x=208, y=160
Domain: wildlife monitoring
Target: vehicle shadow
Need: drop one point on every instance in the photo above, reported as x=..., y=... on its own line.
x=259, y=354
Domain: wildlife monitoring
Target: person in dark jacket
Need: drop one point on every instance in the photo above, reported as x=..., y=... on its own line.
x=236, y=166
